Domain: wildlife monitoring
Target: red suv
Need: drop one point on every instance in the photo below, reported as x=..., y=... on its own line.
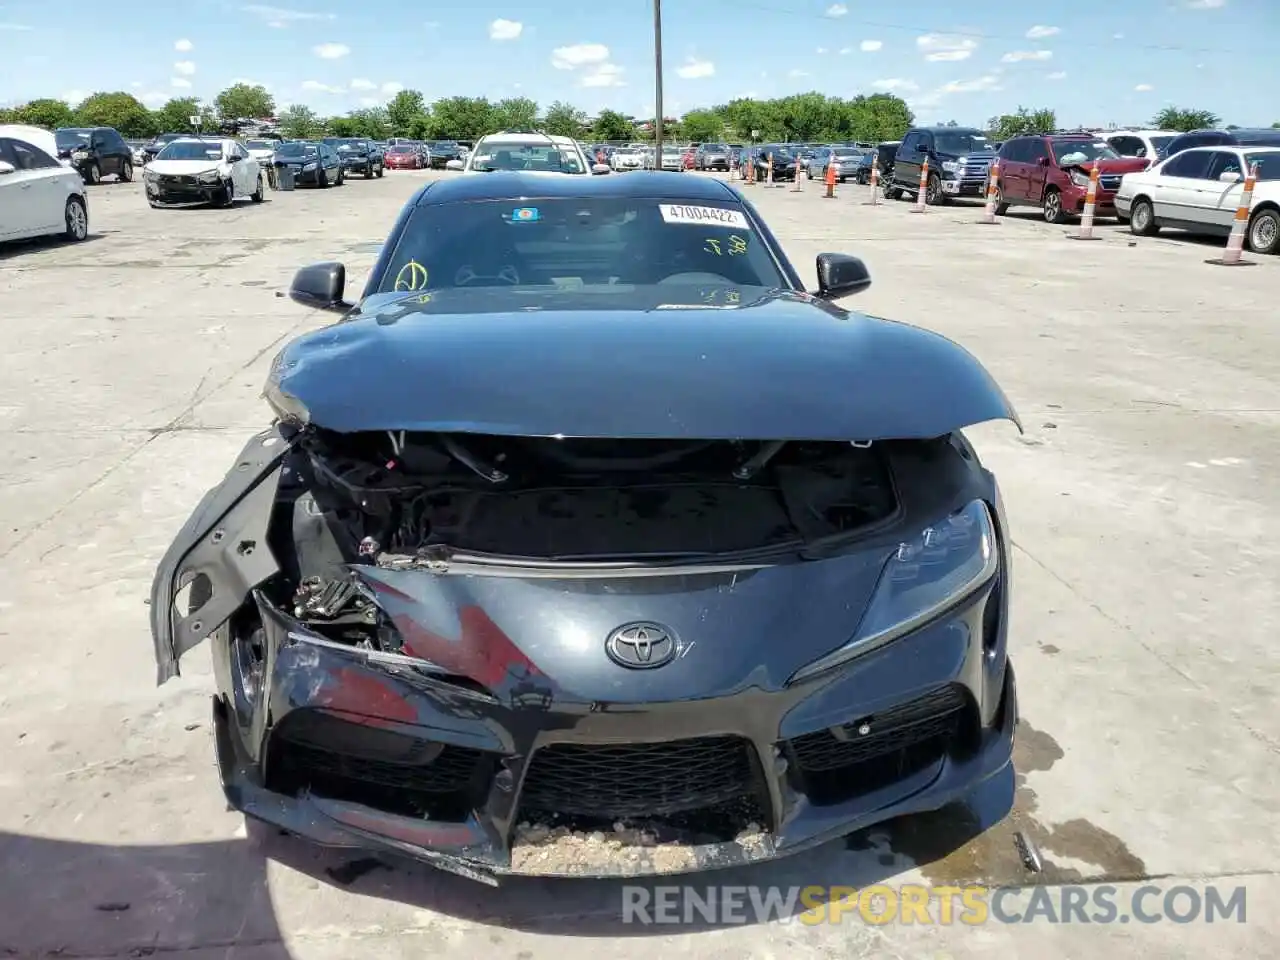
x=1052, y=172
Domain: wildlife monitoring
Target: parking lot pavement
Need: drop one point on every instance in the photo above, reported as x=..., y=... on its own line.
x=1145, y=516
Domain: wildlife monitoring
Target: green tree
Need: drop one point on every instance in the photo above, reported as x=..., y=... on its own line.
x=1022, y=121
x=611, y=125
x=343, y=127
x=702, y=126
x=372, y=122
x=47, y=113
x=120, y=110
x=300, y=122
x=1182, y=119
x=564, y=120
x=405, y=110
x=244, y=100
x=175, y=116
x=462, y=118
x=515, y=113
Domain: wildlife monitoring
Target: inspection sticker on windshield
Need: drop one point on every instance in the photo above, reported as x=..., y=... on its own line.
x=703, y=216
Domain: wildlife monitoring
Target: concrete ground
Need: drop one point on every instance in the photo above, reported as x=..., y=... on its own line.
x=1145, y=513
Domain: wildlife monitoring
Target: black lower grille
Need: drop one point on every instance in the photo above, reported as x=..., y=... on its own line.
x=384, y=769
x=837, y=764
x=635, y=780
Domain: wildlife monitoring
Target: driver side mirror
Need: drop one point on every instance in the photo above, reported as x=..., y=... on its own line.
x=1229, y=176
x=454, y=165
x=1042, y=161
x=320, y=286
x=601, y=168
x=6, y=168
x=840, y=275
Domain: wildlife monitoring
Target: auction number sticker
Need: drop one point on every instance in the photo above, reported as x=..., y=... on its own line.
x=703, y=216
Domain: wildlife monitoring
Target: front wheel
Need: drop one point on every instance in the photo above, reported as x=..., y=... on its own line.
x=1053, y=207
x=77, y=219
x=891, y=192
x=1001, y=207
x=1142, y=219
x=126, y=172
x=228, y=194
x=933, y=191
x=322, y=178
x=93, y=173
x=1264, y=231
x=259, y=195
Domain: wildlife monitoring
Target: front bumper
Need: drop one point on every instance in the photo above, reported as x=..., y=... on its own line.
x=359, y=164
x=908, y=728
x=965, y=187
x=715, y=163
x=169, y=194
x=1073, y=201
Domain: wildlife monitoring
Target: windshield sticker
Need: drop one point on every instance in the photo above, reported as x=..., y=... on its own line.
x=713, y=246
x=525, y=215
x=412, y=276
x=705, y=216
x=737, y=245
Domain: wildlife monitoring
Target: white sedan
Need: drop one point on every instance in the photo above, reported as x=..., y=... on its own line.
x=38, y=195
x=201, y=170
x=1200, y=189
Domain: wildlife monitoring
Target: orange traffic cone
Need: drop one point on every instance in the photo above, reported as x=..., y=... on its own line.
x=831, y=181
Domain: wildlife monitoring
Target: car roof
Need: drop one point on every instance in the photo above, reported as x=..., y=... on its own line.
x=1142, y=133
x=1246, y=147
x=527, y=137
x=516, y=185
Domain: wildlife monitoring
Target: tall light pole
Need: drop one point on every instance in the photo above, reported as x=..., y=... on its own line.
x=657, y=96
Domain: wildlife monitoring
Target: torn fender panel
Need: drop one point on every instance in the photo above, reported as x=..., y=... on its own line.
x=225, y=540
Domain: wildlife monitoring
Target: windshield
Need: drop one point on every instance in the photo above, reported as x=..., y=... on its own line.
x=1070, y=152
x=1268, y=164
x=590, y=249
x=526, y=156
x=1161, y=144
x=190, y=150
x=960, y=143
x=260, y=144
x=71, y=138
x=295, y=149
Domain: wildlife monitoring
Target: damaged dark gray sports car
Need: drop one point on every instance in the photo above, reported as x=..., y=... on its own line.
x=588, y=543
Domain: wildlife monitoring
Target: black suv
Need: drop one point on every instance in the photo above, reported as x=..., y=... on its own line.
x=95, y=152
x=1260, y=137
x=358, y=155
x=442, y=151
x=959, y=161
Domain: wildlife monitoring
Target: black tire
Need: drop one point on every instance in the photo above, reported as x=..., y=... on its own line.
x=1264, y=231
x=368, y=172
x=933, y=194
x=259, y=195
x=891, y=192
x=76, y=218
x=341, y=179
x=228, y=194
x=1001, y=207
x=93, y=173
x=126, y=172
x=1052, y=207
x=154, y=205
x=1142, y=218
x=380, y=169
x=322, y=178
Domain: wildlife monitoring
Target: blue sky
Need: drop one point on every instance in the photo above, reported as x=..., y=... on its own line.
x=1091, y=64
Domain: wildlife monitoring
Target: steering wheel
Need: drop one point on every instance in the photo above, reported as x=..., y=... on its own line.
x=467, y=276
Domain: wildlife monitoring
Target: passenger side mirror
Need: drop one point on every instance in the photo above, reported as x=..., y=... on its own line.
x=454, y=165
x=840, y=275
x=320, y=286
x=601, y=168
x=1229, y=176
x=1042, y=161
x=6, y=167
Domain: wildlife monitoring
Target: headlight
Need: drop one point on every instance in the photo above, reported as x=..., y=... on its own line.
x=309, y=166
x=209, y=176
x=1079, y=179
x=926, y=576
x=951, y=166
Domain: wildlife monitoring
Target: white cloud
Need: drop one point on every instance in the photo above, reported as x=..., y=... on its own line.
x=502, y=29
x=281, y=17
x=1117, y=36
x=185, y=68
x=837, y=10
x=1144, y=88
x=153, y=98
x=182, y=83
x=360, y=83
x=797, y=74
x=315, y=86
x=1018, y=56
x=1057, y=75
x=941, y=47
x=870, y=46
x=895, y=84
x=579, y=55
x=330, y=51
x=136, y=84
x=247, y=82
x=1039, y=33
x=821, y=50
x=370, y=102
x=432, y=24
x=978, y=85
x=183, y=46
x=845, y=50
x=391, y=88
x=15, y=27
x=1206, y=4
x=696, y=69
x=604, y=75
x=74, y=97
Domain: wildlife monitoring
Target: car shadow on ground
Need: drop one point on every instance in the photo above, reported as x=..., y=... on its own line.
x=68, y=898
x=13, y=249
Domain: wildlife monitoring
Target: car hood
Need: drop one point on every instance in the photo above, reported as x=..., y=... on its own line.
x=295, y=157
x=665, y=363
x=183, y=168
x=1117, y=165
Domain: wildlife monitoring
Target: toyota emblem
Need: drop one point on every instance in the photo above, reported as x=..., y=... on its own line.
x=641, y=646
